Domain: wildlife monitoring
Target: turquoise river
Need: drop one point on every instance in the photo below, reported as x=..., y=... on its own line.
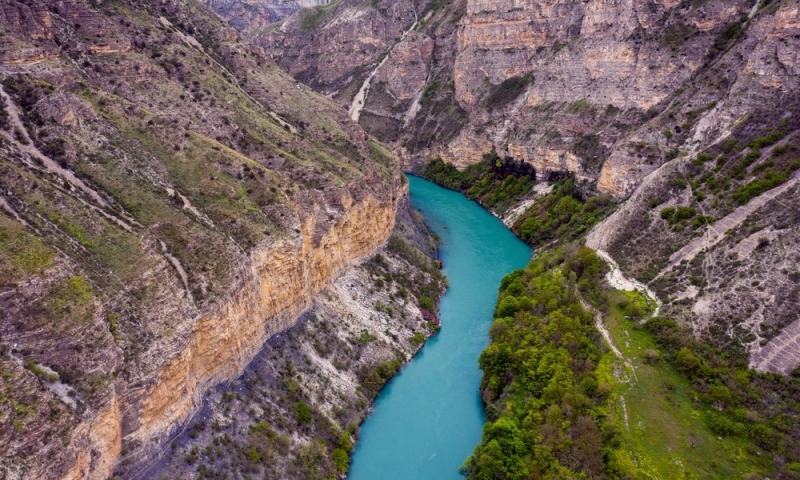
x=428, y=419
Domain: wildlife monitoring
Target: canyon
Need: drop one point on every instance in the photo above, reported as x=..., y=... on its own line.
x=170, y=202
x=635, y=101
x=181, y=181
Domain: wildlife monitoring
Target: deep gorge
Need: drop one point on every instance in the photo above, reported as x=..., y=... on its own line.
x=209, y=269
x=427, y=420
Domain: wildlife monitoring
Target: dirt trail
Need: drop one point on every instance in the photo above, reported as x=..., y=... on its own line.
x=618, y=280
x=176, y=264
x=26, y=145
x=360, y=100
x=598, y=322
x=601, y=327
x=624, y=412
x=30, y=149
x=5, y=206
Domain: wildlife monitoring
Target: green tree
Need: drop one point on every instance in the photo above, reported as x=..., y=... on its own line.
x=302, y=413
x=341, y=461
x=687, y=362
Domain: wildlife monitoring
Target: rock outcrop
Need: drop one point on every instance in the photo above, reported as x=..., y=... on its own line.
x=170, y=199
x=669, y=103
x=353, y=336
x=250, y=16
x=276, y=285
x=530, y=79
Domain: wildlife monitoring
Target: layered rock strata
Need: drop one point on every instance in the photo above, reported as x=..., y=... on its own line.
x=170, y=199
x=361, y=324
x=662, y=103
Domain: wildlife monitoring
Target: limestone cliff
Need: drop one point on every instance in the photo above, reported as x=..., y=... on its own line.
x=676, y=106
x=276, y=285
x=535, y=81
x=251, y=16
x=170, y=199
x=351, y=339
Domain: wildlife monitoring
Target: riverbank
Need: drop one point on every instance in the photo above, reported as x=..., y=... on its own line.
x=429, y=418
x=542, y=211
x=295, y=411
x=565, y=401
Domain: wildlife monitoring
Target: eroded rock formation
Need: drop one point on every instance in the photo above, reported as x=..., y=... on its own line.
x=652, y=103
x=170, y=199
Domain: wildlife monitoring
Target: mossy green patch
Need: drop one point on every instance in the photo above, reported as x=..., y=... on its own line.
x=666, y=433
x=21, y=252
x=71, y=300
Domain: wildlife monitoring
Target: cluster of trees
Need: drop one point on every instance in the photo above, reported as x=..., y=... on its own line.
x=561, y=215
x=493, y=182
x=547, y=402
x=761, y=407
x=540, y=385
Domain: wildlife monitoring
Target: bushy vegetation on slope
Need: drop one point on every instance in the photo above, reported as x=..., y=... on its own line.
x=562, y=215
x=540, y=379
x=761, y=408
x=495, y=183
x=561, y=405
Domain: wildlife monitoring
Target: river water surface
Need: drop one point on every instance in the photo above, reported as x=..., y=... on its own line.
x=428, y=419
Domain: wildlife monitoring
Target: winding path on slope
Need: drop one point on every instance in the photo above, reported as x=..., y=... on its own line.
x=360, y=100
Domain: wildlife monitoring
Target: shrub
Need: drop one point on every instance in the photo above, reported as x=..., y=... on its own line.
x=674, y=215
x=769, y=139
x=341, y=461
x=684, y=213
x=429, y=92
x=730, y=145
x=687, y=362
x=703, y=158
x=771, y=179
x=426, y=303
x=417, y=339
x=302, y=413
x=725, y=38
x=701, y=220
x=722, y=425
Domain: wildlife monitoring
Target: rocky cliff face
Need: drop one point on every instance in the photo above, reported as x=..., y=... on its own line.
x=536, y=81
x=332, y=47
x=667, y=104
x=170, y=200
x=250, y=16
x=334, y=361
x=276, y=286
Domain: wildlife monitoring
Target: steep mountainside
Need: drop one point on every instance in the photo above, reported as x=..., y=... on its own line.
x=253, y=15
x=390, y=62
x=295, y=411
x=685, y=110
x=170, y=200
